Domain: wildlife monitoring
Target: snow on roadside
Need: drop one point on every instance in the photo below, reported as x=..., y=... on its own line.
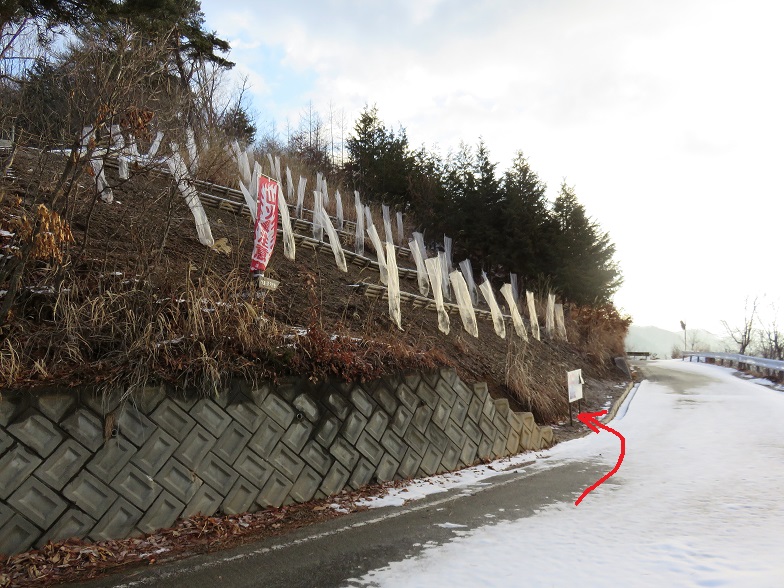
x=697, y=502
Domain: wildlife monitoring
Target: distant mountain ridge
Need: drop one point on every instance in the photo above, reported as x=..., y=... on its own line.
x=661, y=342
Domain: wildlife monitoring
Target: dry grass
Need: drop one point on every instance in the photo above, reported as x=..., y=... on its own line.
x=535, y=387
x=598, y=331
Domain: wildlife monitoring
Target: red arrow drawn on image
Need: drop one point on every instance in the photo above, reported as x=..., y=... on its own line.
x=592, y=422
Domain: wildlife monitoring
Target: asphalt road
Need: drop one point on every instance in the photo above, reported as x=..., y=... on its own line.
x=331, y=553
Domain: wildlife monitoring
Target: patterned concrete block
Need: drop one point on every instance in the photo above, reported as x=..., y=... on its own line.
x=441, y=414
x=278, y=410
x=416, y=440
x=535, y=440
x=370, y=448
x=512, y=443
x=216, y=472
x=437, y=437
x=407, y=397
x=206, y=501
x=412, y=380
x=528, y=420
x=317, y=457
x=445, y=391
x=487, y=427
x=328, y=430
x=102, y=403
x=306, y=485
x=6, y=512
x=353, y=426
x=240, y=497
x=288, y=388
x=37, y=502
x=246, y=413
x=362, y=401
x=547, y=436
x=86, y=428
x=133, y=425
x=253, y=467
x=275, y=490
x=459, y=411
x=297, y=434
x=63, y=464
x=149, y=397
x=338, y=404
x=37, y=432
x=179, y=480
x=409, y=464
x=111, y=458
x=210, y=416
x=502, y=406
x=485, y=450
x=449, y=375
x=468, y=454
x=194, y=447
x=385, y=399
x=362, y=474
x=286, y=461
x=342, y=451
x=463, y=392
x=515, y=422
x=266, y=438
x=15, y=467
x=5, y=441
x=308, y=407
x=472, y=431
x=163, y=513
x=502, y=424
x=480, y=390
x=173, y=419
x=90, y=494
x=55, y=405
x=377, y=424
x=118, y=521
x=155, y=452
x=387, y=468
x=233, y=440
x=17, y=535
x=185, y=400
x=475, y=409
x=136, y=486
x=74, y=523
x=335, y=479
x=455, y=433
x=427, y=394
x=422, y=416
x=451, y=456
x=431, y=378
x=489, y=408
x=401, y=420
x=431, y=460
x=394, y=445
x=499, y=446
x=9, y=407
x=258, y=393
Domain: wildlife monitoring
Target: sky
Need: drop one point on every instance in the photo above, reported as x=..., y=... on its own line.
x=666, y=117
x=658, y=521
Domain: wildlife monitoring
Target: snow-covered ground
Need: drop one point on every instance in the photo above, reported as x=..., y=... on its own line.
x=697, y=502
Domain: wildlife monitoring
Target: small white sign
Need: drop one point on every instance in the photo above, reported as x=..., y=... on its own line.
x=575, y=381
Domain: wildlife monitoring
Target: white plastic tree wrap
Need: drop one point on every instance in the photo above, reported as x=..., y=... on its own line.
x=193, y=154
x=514, y=285
x=289, y=186
x=271, y=165
x=387, y=224
x=118, y=148
x=368, y=216
x=97, y=165
x=560, y=323
x=448, y=251
x=463, y=299
x=420, y=239
x=243, y=162
x=468, y=274
x=444, y=275
x=251, y=191
x=549, y=317
x=179, y=170
x=156, y=144
x=334, y=240
x=277, y=171
x=517, y=320
x=498, y=319
x=289, y=245
x=380, y=253
x=339, y=209
x=529, y=297
x=300, y=197
x=422, y=280
x=433, y=267
x=324, y=192
x=400, y=235
x=393, y=286
x=359, y=235
x=318, y=228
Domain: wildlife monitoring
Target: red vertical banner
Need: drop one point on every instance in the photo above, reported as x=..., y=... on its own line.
x=266, y=223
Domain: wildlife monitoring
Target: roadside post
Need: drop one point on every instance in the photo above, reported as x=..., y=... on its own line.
x=574, y=381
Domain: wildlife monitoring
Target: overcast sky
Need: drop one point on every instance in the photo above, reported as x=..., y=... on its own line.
x=667, y=117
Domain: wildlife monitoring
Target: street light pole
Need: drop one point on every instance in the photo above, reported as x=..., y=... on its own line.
x=683, y=326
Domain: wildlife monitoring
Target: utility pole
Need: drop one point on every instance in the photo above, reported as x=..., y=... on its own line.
x=683, y=326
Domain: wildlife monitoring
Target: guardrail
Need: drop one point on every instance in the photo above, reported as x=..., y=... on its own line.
x=742, y=361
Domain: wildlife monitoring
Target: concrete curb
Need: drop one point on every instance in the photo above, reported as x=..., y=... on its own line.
x=618, y=403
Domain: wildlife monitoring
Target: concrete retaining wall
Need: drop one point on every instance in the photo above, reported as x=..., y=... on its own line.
x=76, y=464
